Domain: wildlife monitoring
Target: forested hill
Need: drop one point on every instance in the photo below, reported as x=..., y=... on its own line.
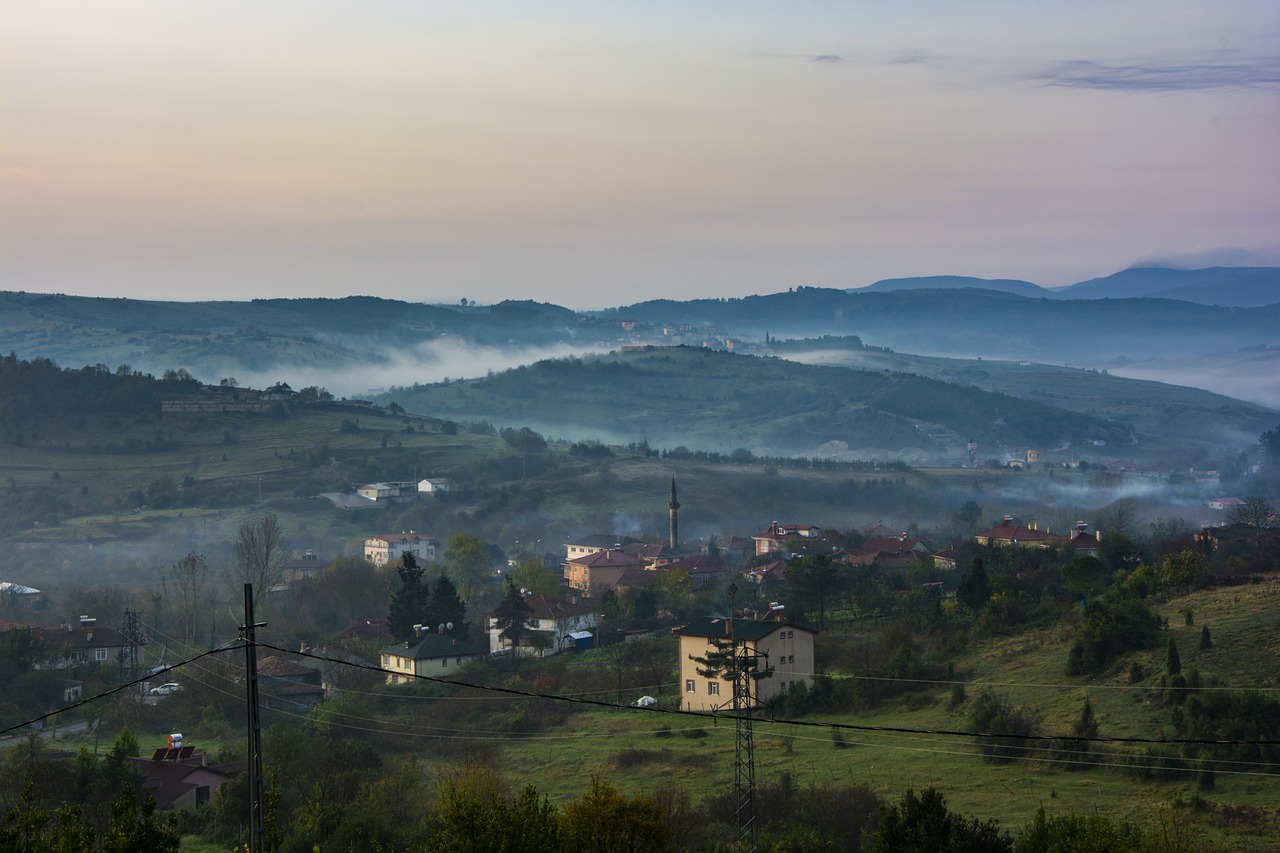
x=711, y=400
x=977, y=322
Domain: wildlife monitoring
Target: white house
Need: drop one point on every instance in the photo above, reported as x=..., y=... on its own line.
x=559, y=625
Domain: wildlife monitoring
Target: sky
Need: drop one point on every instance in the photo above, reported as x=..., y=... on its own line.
x=598, y=153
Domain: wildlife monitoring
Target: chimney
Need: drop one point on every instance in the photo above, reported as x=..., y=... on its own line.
x=1008, y=519
x=903, y=537
x=417, y=630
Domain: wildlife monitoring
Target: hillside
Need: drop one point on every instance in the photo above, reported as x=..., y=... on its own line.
x=719, y=401
x=1244, y=287
x=956, y=282
x=1168, y=419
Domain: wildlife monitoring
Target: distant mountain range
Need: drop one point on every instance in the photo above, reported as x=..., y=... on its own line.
x=355, y=344
x=1238, y=287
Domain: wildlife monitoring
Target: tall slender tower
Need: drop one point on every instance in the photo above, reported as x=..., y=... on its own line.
x=672, y=506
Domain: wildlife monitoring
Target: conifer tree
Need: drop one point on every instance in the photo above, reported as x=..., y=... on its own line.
x=408, y=605
x=1205, y=640
x=1173, y=664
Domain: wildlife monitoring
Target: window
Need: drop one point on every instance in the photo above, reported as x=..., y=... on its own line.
x=713, y=688
x=444, y=663
x=99, y=654
x=689, y=686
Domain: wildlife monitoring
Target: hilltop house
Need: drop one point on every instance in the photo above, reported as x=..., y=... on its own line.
x=180, y=777
x=785, y=649
x=428, y=654
x=557, y=625
x=388, y=547
x=288, y=684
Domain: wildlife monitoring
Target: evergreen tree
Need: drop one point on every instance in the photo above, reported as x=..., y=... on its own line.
x=446, y=608
x=1205, y=640
x=974, y=590
x=1173, y=664
x=408, y=605
x=512, y=617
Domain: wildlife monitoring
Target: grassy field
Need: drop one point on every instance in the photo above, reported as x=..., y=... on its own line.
x=642, y=750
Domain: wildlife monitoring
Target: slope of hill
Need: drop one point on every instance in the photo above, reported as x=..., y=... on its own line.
x=956, y=282
x=1244, y=287
x=716, y=400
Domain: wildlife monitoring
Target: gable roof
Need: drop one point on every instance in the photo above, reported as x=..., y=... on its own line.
x=547, y=608
x=434, y=646
x=1007, y=531
x=608, y=559
x=713, y=627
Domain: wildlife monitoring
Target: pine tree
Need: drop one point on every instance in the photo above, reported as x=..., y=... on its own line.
x=1173, y=664
x=1205, y=640
x=512, y=617
x=408, y=605
x=446, y=608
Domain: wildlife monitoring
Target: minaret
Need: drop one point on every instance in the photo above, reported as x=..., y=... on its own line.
x=672, y=506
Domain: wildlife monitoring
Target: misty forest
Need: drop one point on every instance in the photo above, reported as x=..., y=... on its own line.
x=936, y=564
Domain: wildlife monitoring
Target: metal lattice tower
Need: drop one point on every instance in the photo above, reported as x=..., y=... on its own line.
x=131, y=628
x=744, y=765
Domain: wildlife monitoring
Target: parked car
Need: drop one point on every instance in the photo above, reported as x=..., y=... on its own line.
x=166, y=689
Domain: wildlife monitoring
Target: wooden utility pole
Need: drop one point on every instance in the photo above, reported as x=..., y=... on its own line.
x=257, y=829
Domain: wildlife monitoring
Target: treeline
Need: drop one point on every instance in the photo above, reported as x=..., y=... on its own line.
x=37, y=391
x=337, y=794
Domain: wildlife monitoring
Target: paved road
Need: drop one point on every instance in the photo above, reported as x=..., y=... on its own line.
x=67, y=730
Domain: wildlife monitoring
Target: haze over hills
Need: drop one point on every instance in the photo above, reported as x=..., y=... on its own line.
x=355, y=344
x=1239, y=287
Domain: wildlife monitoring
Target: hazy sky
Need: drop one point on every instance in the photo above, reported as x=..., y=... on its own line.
x=596, y=153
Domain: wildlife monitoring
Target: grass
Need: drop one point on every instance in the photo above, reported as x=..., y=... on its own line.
x=641, y=751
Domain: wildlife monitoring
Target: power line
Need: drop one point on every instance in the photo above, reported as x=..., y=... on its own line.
x=801, y=723
x=114, y=690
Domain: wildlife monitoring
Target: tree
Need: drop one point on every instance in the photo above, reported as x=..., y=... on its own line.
x=974, y=590
x=1173, y=663
x=468, y=559
x=966, y=518
x=524, y=441
x=446, y=608
x=408, y=605
x=812, y=581
x=512, y=617
x=1205, y=640
x=185, y=585
x=605, y=821
x=259, y=553
x=731, y=660
x=535, y=576
x=924, y=824
x=1182, y=570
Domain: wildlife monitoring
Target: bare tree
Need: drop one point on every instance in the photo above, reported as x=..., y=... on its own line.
x=187, y=592
x=259, y=554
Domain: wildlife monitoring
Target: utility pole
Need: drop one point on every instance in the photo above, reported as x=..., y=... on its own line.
x=257, y=829
x=131, y=628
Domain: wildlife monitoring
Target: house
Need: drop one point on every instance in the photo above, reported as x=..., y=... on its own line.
x=1008, y=534
x=594, y=543
x=784, y=648
x=735, y=549
x=563, y=624
x=16, y=593
x=774, y=540
x=389, y=491
x=179, y=777
x=599, y=570
x=388, y=547
x=347, y=501
x=703, y=570
x=898, y=552
x=1083, y=543
x=770, y=574
x=364, y=630
x=1225, y=503
x=305, y=568
x=87, y=642
x=280, y=392
x=431, y=655
x=435, y=486
x=288, y=684
x=654, y=554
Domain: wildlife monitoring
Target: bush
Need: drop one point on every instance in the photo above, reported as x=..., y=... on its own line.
x=1003, y=727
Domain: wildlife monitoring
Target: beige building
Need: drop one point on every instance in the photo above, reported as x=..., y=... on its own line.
x=436, y=655
x=785, y=649
x=387, y=547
